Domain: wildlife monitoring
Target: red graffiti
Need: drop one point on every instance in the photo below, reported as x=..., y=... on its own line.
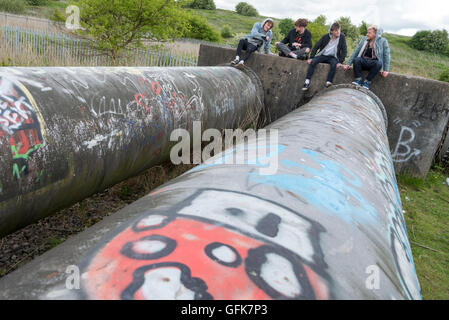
x=19, y=122
x=156, y=88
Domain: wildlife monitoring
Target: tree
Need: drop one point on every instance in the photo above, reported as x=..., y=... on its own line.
x=246, y=9
x=285, y=25
x=434, y=41
x=363, y=28
x=350, y=30
x=116, y=25
x=317, y=30
x=321, y=19
x=203, y=4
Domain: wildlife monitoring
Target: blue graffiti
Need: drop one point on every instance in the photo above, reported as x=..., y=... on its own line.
x=328, y=188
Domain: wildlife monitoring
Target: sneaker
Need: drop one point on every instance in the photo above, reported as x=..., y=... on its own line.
x=240, y=65
x=235, y=61
x=366, y=84
x=306, y=86
x=357, y=82
x=328, y=84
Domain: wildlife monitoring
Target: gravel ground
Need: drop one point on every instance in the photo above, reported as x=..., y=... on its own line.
x=18, y=248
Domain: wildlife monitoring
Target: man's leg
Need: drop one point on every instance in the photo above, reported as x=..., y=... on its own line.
x=311, y=70
x=249, y=50
x=357, y=71
x=242, y=46
x=358, y=68
x=312, y=66
x=301, y=53
x=374, y=68
x=283, y=48
x=333, y=68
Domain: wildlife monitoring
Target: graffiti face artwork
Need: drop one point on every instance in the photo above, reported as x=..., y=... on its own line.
x=205, y=249
x=19, y=124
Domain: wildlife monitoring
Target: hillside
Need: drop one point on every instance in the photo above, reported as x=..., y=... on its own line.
x=404, y=59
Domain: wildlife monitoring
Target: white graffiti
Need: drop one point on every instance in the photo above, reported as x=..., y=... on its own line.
x=403, y=151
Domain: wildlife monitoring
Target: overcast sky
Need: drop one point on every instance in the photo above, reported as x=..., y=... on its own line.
x=395, y=16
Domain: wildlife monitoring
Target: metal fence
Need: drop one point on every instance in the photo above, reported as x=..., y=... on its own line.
x=68, y=50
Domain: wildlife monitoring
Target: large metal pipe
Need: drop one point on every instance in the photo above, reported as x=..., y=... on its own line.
x=327, y=225
x=66, y=133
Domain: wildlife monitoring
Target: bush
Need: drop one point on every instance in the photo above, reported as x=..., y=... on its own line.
x=200, y=29
x=439, y=41
x=433, y=41
x=203, y=4
x=444, y=76
x=226, y=32
x=13, y=6
x=245, y=9
x=37, y=2
x=285, y=25
x=418, y=41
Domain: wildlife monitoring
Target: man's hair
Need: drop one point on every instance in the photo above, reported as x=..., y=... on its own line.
x=335, y=26
x=373, y=27
x=302, y=22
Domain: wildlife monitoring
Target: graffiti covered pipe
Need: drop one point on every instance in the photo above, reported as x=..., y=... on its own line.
x=327, y=225
x=66, y=133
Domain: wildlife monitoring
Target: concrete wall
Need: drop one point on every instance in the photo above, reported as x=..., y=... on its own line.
x=66, y=133
x=418, y=108
x=327, y=224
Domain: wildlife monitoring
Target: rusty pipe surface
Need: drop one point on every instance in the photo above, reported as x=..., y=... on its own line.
x=67, y=133
x=327, y=225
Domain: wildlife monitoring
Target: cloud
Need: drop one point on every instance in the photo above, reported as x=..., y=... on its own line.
x=396, y=16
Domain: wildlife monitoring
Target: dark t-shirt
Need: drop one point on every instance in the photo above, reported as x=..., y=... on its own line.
x=369, y=53
x=304, y=39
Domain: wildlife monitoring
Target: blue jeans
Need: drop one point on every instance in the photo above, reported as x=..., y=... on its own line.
x=374, y=67
x=323, y=59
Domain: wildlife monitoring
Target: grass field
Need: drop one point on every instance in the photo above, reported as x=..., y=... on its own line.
x=426, y=205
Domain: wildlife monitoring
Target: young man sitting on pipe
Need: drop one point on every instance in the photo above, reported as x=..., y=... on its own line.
x=260, y=36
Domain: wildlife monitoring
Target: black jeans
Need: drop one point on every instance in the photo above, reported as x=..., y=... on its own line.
x=323, y=59
x=285, y=51
x=374, y=66
x=248, y=47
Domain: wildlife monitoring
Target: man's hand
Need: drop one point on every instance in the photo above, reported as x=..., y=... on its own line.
x=296, y=44
x=309, y=61
x=384, y=74
x=307, y=50
x=268, y=38
x=346, y=67
x=338, y=65
x=277, y=43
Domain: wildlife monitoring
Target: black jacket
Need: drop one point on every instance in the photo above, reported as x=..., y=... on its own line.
x=342, y=49
x=304, y=39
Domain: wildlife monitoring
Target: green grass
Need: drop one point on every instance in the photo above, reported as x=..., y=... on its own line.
x=407, y=60
x=238, y=23
x=426, y=205
x=46, y=11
